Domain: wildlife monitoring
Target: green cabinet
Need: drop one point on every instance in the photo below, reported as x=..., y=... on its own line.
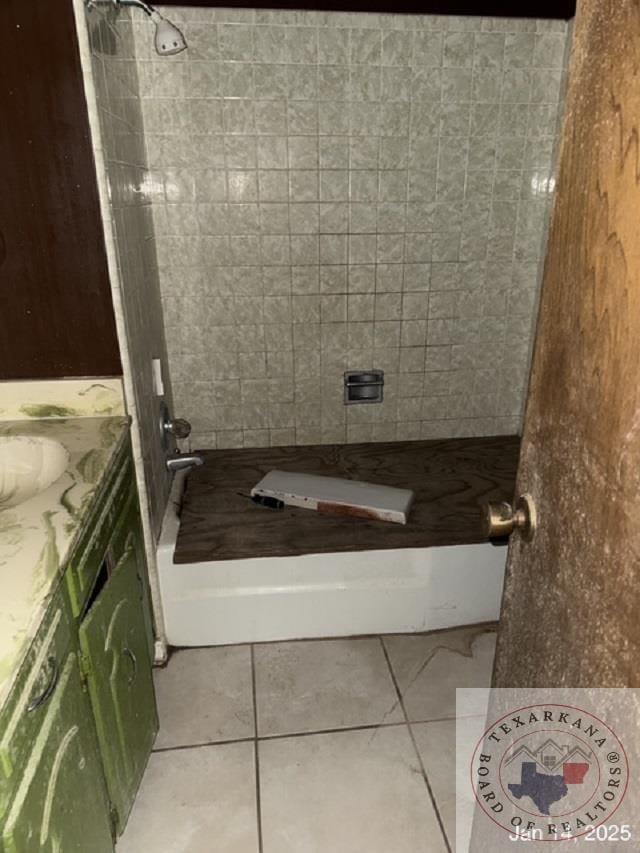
x=60, y=805
x=21, y=716
x=77, y=729
x=115, y=659
x=128, y=536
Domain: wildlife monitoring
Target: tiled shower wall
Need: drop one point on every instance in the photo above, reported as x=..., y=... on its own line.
x=111, y=83
x=339, y=191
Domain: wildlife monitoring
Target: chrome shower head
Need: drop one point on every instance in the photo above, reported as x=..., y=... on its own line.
x=168, y=38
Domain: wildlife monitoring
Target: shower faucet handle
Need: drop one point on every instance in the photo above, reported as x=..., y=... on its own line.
x=178, y=427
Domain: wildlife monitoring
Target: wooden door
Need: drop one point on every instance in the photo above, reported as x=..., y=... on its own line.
x=113, y=639
x=61, y=804
x=570, y=606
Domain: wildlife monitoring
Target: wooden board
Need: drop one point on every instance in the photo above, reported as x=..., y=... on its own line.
x=451, y=479
x=570, y=610
x=336, y=495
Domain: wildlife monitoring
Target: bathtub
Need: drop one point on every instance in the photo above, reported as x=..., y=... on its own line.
x=324, y=595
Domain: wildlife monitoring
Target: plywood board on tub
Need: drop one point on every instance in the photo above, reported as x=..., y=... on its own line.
x=452, y=479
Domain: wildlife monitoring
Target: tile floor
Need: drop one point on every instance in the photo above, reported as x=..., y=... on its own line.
x=320, y=746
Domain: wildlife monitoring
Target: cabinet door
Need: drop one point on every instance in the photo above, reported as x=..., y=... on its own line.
x=116, y=661
x=128, y=535
x=61, y=805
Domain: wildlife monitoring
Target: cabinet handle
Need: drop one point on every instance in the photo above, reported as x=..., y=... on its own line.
x=54, y=672
x=134, y=663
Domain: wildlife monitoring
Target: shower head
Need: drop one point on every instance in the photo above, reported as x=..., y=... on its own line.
x=168, y=38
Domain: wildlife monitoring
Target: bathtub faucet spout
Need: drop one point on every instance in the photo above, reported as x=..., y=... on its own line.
x=184, y=460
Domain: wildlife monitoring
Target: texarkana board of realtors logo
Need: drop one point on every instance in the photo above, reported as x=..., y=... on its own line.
x=549, y=772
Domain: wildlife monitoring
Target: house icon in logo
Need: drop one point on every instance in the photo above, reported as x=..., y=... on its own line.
x=550, y=756
x=544, y=773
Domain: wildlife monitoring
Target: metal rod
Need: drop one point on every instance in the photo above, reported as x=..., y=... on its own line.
x=139, y=3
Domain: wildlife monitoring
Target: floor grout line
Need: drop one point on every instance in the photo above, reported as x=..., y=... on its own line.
x=362, y=728
x=284, y=736
x=255, y=748
x=202, y=745
x=415, y=747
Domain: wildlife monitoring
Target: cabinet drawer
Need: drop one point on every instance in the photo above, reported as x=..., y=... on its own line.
x=24, y=712
x=88, y=557
x=60, y=803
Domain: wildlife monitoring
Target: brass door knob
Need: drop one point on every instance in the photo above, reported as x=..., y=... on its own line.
x=503, y=519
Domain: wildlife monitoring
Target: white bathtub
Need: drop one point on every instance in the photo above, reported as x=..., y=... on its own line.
x=324, y=595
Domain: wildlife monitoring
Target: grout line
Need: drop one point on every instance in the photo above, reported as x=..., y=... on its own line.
x=415, y=747
x=362, y=728
x=255, y=748
x=204, y=744
x=311, y=732
x=451, y=719
x=285, y=735
x=254, y=697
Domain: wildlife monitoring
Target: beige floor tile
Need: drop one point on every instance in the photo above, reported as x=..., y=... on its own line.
x=429, y=667
x=323, y=684
x=205, y=695
x=436, y=744
x=200, y=800
x=448, y=773
x=346, y=792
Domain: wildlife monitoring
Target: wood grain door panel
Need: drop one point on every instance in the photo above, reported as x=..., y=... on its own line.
x=570, y=601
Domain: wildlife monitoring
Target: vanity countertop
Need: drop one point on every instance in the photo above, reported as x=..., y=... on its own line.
x=37, y=536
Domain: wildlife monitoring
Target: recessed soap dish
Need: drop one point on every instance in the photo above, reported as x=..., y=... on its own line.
x=363, y=386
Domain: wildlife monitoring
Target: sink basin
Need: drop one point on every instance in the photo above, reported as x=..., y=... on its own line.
x=28, y=466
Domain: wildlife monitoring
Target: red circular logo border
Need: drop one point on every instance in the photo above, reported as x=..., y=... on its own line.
x=547, y=705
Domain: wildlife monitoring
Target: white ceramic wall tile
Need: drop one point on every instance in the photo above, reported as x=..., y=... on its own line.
x=323, y=155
